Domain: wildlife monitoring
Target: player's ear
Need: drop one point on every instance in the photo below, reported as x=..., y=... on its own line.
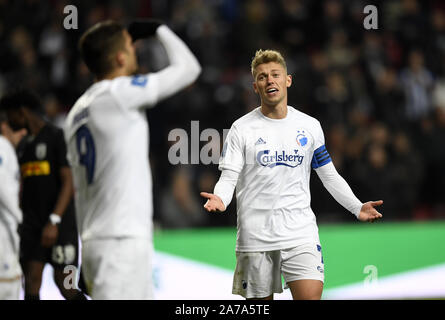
x=255, y=87
x=288, y=80
x=120, y=59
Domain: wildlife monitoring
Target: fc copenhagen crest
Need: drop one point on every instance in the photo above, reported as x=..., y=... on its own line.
x=41, y=151
x=301, y=138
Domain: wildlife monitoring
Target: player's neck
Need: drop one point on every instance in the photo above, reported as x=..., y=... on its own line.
x=278, y=111
x=114, y=74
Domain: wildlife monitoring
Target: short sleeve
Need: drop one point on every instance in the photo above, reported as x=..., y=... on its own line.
x=321, y=155
x=232, y=155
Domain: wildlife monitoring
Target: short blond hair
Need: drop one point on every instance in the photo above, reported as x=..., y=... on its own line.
x=265, y=56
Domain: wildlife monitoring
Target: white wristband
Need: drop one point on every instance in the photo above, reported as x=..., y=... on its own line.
x=55, y=219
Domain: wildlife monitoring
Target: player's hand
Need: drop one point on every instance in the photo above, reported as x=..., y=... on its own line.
x=49, y=235
x=368, y=213
x=143, y=28
x=214, y=203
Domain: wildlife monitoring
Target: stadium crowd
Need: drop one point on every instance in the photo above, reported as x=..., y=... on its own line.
x=379, y=94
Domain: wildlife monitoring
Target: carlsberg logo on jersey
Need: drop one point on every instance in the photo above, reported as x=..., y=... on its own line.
x=268, y=159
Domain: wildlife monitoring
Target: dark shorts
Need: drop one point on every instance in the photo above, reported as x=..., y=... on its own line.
x=64, y=252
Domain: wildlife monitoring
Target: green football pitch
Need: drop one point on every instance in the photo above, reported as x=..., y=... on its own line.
x=347, y=248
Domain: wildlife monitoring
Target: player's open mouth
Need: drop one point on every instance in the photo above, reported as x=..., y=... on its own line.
x=271, y=90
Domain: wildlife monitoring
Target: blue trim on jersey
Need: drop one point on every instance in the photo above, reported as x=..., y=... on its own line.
x=320, y=158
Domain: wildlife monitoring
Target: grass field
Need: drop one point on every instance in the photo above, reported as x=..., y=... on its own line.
x=409, y=259
x=393, y=248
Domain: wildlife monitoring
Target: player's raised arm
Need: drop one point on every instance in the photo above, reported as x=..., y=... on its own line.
x=183, y=69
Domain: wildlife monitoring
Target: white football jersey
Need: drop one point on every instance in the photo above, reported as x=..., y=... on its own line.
x=107, y=139
x=10, y=213
x=274, y=158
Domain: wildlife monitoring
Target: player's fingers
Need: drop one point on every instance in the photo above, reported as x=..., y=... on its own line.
x=209, y=206
x=376, y=214
x=206, y=195
x=377, y=203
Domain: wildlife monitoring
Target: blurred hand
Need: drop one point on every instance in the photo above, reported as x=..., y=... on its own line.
x=49, y=235
x=214, y=203
x=13, y=136
x=143, y=28
x=368, y=213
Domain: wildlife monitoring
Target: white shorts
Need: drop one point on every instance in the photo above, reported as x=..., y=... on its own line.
x=118, y=269
x=258, y=274
x=10, y=289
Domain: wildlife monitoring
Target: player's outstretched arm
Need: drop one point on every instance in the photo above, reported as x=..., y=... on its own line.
x=222, y=194
x=368, y=213
x=342, y=193
x=214, y=203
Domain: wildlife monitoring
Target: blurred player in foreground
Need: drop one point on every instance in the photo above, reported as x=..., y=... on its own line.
x=48, y=233
x=107, y=136
x=10, y=212
x=267, y=156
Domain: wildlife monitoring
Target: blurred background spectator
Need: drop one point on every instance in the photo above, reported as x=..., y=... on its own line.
x=379, y=94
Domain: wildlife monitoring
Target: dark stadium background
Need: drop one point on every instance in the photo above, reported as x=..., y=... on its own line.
x=379, y=94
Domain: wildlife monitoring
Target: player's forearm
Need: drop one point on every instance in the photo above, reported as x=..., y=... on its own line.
x=226, y=185
x=184, y=68
x=339, y=188
x=66, y=192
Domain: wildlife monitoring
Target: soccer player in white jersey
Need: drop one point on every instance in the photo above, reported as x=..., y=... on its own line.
x=10, y=213
x=107, y=137
x=267, y=156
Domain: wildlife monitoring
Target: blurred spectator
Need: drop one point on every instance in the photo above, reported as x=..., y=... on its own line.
x=181, y=207
x=389, y=99
x=407, y=172
x=53, y=111
x=417, y=83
